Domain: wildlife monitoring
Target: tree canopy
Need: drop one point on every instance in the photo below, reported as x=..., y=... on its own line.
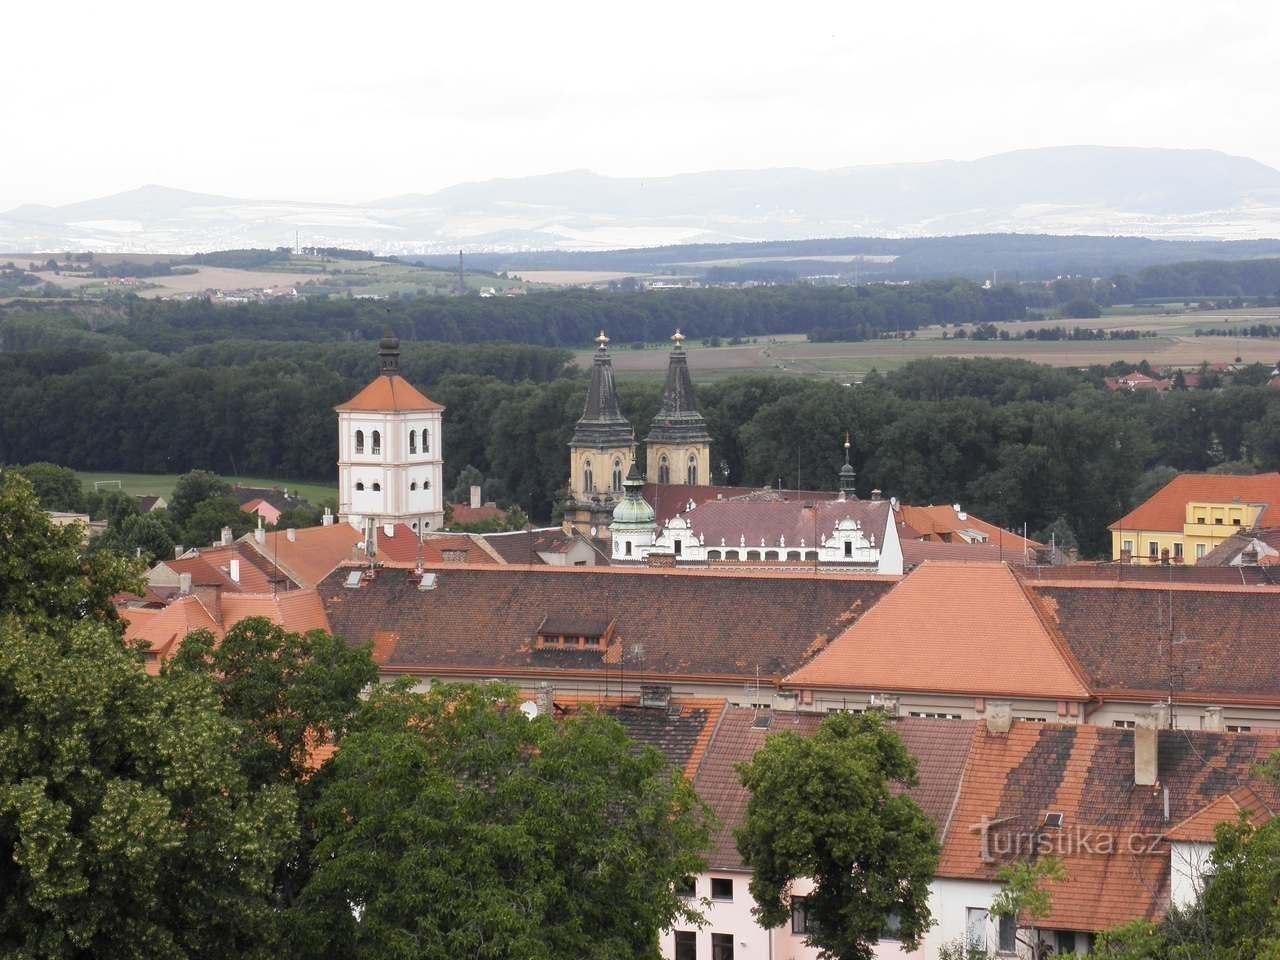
x=830, y=808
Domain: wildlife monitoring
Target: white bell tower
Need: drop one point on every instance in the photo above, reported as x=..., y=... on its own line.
x=390, y=451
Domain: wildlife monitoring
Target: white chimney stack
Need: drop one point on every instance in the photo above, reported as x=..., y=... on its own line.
x=999, y=717
x=327, y=520
x=389, y=530
x=1146, y=748
x=226, y=536
x=184, y=583
x=1213, y=719
x=475, y=496
x=291, y=534
x=260, y=535
x=235, y=569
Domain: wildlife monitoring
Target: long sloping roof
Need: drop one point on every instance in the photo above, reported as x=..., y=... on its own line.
x=1166, y=509
x=665, y=622
x=958, y=628
x=1209, y=642
x=753, y=523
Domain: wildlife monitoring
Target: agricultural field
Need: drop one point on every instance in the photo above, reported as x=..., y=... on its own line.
x=1173, y=344
x=161, y=484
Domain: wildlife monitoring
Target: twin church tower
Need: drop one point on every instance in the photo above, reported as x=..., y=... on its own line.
x=391, y=443
x=602, y=453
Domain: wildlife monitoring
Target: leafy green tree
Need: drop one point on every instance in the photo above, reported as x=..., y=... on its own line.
x=193, y=489
x=204, y=524
x=1024, y=897
x=57, y=488
x=468, y=477
x=289, y=692
x=825, y=807
x=140, y=534
x=450, y=826
x=127, y=828
x=1081, y=308
x=44, y=572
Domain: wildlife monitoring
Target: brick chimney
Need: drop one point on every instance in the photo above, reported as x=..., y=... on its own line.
x=184, y=583
x=546, y=699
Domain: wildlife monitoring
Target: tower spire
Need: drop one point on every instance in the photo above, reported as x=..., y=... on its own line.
x=846, y=474
x=389, y=355
x=602, y=423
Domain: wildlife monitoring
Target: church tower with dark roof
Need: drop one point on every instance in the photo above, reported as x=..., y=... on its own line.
x=678, y=448
x=601, y=452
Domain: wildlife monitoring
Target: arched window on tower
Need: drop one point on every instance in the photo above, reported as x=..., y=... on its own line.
x=426, y=441
x=664, y=470
x=377, y=487
x=617, y=476
x=588, y=484
x=359, y=485
x=691, y=473
x=359, y=441
x=413, y=441
x=375, y=443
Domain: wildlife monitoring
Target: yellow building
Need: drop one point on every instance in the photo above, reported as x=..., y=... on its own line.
x=1192, y=514
x=678, y=447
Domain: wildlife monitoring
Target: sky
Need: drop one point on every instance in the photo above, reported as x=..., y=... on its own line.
x=350, y=102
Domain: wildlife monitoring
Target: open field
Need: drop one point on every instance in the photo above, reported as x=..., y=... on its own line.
x=1174, y=344
x=161, y=484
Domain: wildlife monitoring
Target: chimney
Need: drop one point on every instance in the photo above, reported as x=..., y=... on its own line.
x=877, y=495
x=235, y=569
x=260, y=535
x=1146, y=734
x=566, y=525
x=327, y=520
x=184, y=583
x=999, y=717
x=178, y=551
x=226, y=536
x=389, y=530
x=292, y=534
x=475, y=496
x=1213, y=719
x=210, y=594
x=546, y=699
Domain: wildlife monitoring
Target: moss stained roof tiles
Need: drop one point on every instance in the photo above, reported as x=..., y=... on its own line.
x=669, y=623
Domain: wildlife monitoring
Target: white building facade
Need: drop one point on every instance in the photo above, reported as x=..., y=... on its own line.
x=390, y=452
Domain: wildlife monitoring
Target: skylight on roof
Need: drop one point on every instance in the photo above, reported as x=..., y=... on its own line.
x=353, y=580
x=762, y=721
x=1053, y=821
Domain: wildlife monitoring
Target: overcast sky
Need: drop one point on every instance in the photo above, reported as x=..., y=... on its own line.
x=351, y=101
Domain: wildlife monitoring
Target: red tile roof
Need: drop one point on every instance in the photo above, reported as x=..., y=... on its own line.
x=943, y=521
x=668, y=499
x=465, y=513
x=1244, y=801
x=1166, y=509
x=778, y=522
x=956, y=628
x=1086, y=774
x=712, y=624
x=1226, y=639
x=390, y=393
x=939, y=746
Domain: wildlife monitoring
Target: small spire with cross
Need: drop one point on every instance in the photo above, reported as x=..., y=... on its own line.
x=678, y=339
x=846, y=446
x=602, y=341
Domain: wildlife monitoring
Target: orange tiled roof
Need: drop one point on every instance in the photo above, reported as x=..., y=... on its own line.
x=935, y=522
x=964, y=628
x=1228, y=808
x=390, y=393
x=1086, y=773
x=1166, y=509
x=314, y=553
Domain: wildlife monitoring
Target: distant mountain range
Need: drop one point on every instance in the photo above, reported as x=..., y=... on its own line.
x=1183, y=194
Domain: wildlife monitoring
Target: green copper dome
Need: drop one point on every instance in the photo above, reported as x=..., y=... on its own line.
x=633, y=510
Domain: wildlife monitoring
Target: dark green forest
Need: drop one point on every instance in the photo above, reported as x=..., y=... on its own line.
x=1014, y=442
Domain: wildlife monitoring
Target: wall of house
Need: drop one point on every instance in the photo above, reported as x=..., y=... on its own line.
x=1189, y=867
x=750, y=941
x=393, y=468
x=1188, y=716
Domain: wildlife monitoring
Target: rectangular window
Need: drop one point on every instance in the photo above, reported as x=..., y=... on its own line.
x=686, y=945
x=1217, y=521
x=688, y=887
x=721, y=888
x=677, y=548
x=975, y=927
x=1123, y=724
x=1007, y=936
x=1235, y=522
x=1238, y=728
x=1199, y=519
x=799, y=916
x=1153, y=549
x=1127, y=547
x=1177, y=550
x=1200, y=550
x=1066, y=942
x=848, y=548
x=722, y=946
x=935, y=715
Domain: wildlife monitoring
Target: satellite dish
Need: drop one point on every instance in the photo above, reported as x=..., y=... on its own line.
x=529, y=709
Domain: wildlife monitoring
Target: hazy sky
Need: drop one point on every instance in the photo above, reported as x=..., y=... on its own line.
x=355, y=101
